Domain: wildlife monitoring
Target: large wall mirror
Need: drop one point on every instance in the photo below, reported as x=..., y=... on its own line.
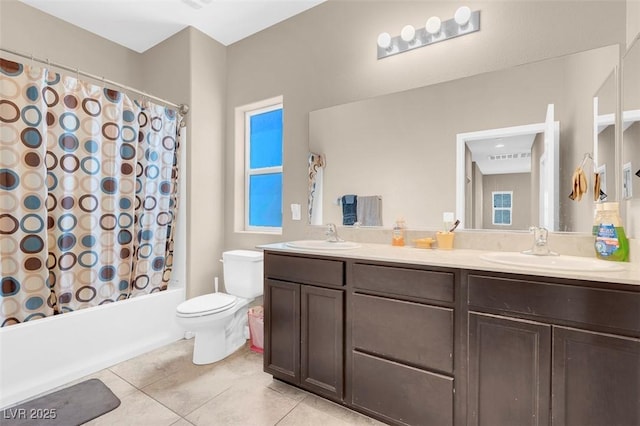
x=631, y=138
x=404, y=147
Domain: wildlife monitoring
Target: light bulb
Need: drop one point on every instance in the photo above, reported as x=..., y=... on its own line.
x=433, y=25
x=384, y=40
x=408, y=33
x=462, y=16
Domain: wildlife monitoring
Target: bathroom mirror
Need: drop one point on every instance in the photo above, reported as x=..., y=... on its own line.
x=403, y=146
x=630, y=197
x=604, y=144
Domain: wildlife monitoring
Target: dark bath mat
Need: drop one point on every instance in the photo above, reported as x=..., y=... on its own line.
x=70, y=406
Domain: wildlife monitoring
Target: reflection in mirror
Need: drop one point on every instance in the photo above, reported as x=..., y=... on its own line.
x=402, y=146
x=508, y=178
x=631, y=139
x=604, y=110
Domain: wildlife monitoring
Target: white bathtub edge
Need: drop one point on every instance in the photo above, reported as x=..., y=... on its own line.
x=33, y=361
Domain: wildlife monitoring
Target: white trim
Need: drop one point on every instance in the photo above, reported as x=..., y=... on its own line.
x=247, y=112
x=629, y=117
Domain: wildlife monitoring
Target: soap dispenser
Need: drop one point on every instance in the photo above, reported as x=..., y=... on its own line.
x=398, y=232
x=611, y=242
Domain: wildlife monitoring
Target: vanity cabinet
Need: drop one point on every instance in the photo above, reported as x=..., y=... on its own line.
x=401, y=345
x=552, y=352
x=304, y=322
x=427, y=345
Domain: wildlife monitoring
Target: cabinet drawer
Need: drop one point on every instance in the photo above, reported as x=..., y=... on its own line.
x=400, y=393
x=413, y=283
x=304, y=270
x=613, y=309
x=405, y=331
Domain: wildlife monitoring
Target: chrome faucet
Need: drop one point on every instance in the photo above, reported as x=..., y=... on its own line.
x=540, y=239
x=332, y=233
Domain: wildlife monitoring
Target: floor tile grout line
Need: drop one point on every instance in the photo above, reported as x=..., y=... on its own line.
x=138, y=389
x=208, y=401
x=201, y=405
x=159, y=402
x=288, y=412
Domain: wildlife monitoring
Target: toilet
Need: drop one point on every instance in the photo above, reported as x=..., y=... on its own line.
x=218, y=319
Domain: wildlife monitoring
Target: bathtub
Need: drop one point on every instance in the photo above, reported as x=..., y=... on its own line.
x=40, y=355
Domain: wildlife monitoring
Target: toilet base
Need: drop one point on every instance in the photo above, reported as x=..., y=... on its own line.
x=209, y=346
x=216, y=343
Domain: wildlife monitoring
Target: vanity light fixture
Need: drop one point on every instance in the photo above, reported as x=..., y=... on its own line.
x=435, y=30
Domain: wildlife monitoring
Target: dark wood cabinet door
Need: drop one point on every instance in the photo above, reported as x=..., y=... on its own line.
x=282, y=330
x=596, y=379
x=322, y=342
x=509, y=371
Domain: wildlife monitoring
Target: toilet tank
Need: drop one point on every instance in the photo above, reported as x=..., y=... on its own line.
x=243, y=272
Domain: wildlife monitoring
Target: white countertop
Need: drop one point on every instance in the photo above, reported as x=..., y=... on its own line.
x=462, y=259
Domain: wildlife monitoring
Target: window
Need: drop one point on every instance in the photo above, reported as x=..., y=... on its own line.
x=263, y=168
x=502, y=206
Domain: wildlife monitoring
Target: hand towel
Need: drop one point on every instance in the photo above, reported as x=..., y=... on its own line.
x=369, y=210
x=579, y=184
x=349, y=209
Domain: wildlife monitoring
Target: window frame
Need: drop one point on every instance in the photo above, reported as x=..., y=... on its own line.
x=494, y=208
x=249, y=172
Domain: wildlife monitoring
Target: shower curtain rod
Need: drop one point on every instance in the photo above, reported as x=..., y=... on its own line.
x=182, y=108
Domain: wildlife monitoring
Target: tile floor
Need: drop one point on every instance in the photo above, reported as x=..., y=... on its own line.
x=164, y=387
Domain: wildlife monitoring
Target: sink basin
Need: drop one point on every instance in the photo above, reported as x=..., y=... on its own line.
x=322, y=245
x=558, y=263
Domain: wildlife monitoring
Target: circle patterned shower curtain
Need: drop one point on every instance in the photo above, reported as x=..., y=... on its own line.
x=88, y=194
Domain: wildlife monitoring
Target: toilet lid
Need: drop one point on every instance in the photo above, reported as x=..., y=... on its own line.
x=209, y=303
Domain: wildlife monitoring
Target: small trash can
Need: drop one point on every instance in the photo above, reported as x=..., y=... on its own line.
x=256, y=328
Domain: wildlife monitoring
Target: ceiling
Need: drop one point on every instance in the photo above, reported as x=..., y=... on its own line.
x=502, y=155
x=141, y=24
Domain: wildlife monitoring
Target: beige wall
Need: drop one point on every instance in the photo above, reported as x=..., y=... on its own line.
x=633, y=20
x=327, y=56
x=520, y=184
x=206, y=165
x=29, y=31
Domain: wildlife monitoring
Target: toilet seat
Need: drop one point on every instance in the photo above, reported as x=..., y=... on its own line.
x=207, y=304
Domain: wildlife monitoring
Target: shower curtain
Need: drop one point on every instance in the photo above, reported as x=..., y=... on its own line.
x=88, y=194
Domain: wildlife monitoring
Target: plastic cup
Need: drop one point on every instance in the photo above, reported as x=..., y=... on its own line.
x=445, y=240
